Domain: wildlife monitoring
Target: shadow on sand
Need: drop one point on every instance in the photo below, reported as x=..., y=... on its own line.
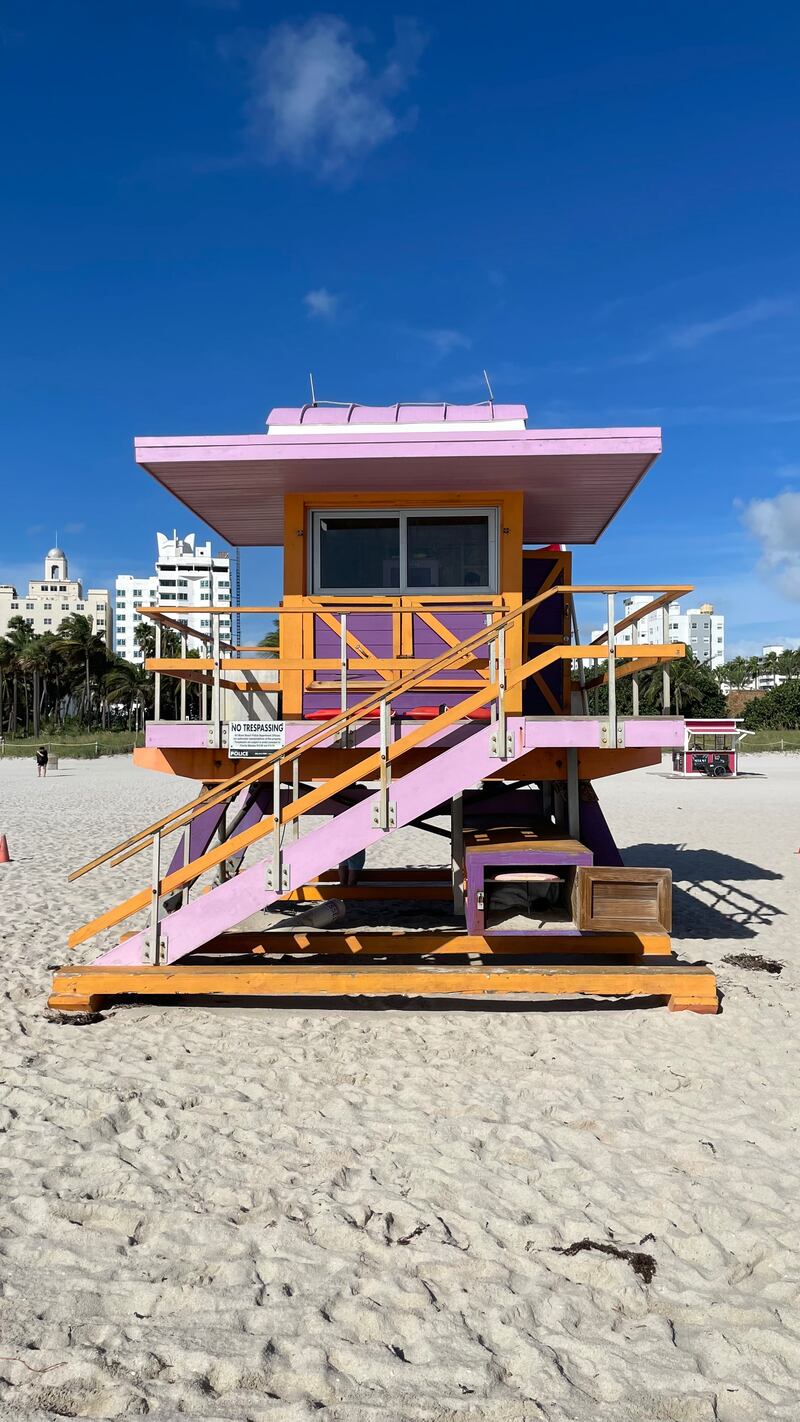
x=374, y=1006
x=708, y=899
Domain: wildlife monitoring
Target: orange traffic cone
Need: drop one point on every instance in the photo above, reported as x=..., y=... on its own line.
x=5, y=857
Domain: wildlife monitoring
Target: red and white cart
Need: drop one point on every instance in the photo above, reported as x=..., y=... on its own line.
x=710, y=747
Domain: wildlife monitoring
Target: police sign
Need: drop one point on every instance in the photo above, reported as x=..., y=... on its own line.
x=250, y=740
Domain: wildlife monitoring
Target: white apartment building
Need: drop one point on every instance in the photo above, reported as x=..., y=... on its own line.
x=700, y=628
x=56, y=596
x=185, y=572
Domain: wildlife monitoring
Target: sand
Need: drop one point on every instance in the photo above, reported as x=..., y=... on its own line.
x=360, y=1214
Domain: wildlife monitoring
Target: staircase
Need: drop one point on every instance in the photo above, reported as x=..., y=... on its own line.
x=271, y=799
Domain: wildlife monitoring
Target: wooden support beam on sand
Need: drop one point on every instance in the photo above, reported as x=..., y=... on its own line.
x=85, y=989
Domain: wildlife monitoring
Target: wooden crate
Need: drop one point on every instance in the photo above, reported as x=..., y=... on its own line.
x=619, y=900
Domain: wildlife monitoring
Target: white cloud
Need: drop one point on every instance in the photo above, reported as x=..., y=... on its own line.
x=693, y=333
x=322, y=303
x=775, y=525
x=318, y=102
x=444, y=340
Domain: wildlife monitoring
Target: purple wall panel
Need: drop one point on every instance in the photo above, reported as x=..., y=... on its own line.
x=546, y=620
x=201, y=833
x=375, y=631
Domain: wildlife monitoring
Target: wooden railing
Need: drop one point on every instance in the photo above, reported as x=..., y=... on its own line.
x=263, y=671
x=259, y=672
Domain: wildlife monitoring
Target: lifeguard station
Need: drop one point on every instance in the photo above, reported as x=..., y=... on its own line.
x=429, y=672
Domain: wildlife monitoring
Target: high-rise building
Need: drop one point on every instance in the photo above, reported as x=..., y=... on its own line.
x=56, y=596
x=185, y=572
x=700, y=628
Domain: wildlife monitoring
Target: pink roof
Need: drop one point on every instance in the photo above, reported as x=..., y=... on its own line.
x=403, y=414
x=573, y=481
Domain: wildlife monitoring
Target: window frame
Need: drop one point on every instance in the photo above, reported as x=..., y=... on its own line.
x=491, y=512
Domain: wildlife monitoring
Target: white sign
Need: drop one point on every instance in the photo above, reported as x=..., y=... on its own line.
x=249, y=740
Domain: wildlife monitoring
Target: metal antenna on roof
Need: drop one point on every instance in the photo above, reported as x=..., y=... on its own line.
x=488, y=387
x=313, y=391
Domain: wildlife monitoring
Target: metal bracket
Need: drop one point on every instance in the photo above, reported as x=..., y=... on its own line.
x=390, y=817
x=480, y=901
x=284, y=875
x=620, y=735
x=498, y=739
x=605, y=734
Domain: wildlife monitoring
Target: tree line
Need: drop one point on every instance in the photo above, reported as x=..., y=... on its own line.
x=744, y=673
x=70, y=675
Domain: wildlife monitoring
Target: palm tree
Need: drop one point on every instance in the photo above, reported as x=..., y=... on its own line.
x=273, y=638
x=753, y=670
x=87, y=647
x=770, y=665
x=6, y=658
x=18, y=637
x=132, y=685
x=736, y=673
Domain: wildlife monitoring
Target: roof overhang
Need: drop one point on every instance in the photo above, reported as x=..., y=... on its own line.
x=573, y=481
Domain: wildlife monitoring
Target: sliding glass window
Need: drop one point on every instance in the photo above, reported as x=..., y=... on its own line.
x=407, y=551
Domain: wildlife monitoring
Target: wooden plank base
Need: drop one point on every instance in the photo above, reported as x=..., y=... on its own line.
x=85, y=989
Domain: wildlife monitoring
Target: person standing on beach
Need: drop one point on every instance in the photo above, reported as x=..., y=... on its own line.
x=41, y=762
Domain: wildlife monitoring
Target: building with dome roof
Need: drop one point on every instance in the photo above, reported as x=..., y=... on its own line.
x=56, y=596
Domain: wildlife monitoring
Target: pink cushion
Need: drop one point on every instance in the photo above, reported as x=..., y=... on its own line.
x=420, y=713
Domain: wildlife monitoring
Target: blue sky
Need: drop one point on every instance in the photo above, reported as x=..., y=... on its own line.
x=204, y=199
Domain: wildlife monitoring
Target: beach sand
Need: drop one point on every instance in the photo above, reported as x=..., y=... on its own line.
x=362, y=1213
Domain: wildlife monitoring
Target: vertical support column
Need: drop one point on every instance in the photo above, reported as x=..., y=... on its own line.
x=635, y=677
x=187, y=855
x=501, y=698
x=278, y=875
x=222, y=835
x=499, y=747
x=343, y=673
x=152, y=947
x=383, y=814
x=666, y=691
x=296, y=796
x=457, y=851
x=573, y=794
x=612, y=672
x=492, y=658
x=215, y=687
x=184, y=648
x=157, y=677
